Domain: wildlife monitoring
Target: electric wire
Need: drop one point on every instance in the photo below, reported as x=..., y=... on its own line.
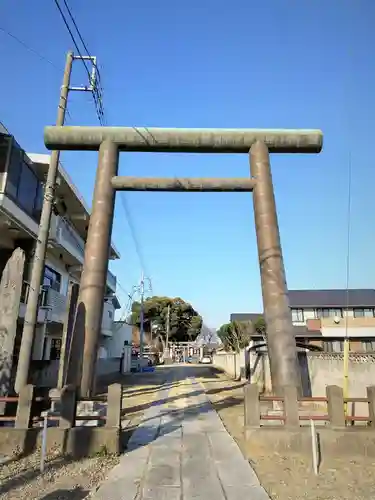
x=133, y=231
x=98, y=93
x=35, y=52
x=98, y=108
x=99, y=88
x=30, y=49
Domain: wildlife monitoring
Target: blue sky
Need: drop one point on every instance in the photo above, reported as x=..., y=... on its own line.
x=246, y=63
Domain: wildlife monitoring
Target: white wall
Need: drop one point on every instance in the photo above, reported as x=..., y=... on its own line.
x=108, y=317
x=114, y=345
x=230, y=362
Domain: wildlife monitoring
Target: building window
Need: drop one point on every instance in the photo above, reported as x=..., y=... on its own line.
x=14, y=170
x=27, y=189
x=335, y=312
x=333, y=346
x=52, y=279
x=368, y=345
x=38, y=203
x=110, y=314
x=297, y=315
x=4, y=149
x=55, y=349
x=326, y=312
x=363, y=313
x=23, y=185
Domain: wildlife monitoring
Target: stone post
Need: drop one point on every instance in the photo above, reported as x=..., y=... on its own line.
x=114, y=406
x=252, y=405
x=291, y=407
x=371, y=404
x=24, y=407
x=335, y=404
x=10, y=298
x=66, y=399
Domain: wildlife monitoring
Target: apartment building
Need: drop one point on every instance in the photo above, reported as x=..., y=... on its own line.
x=22, y=178
x=323, y=318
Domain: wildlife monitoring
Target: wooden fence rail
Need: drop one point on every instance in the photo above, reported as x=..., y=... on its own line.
x=290, y=415
x=25, y=417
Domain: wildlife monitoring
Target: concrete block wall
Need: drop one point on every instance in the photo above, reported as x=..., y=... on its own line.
x=230, y=362
x=317, y=371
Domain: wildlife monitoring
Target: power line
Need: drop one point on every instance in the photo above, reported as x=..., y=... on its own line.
x=30, y=49
x=133, y=231
x=99, y=110
x=38, y=54
x=86, y=49
x=97, y=88
x=98, y=99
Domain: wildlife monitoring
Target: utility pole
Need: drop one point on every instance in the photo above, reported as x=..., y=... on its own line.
x=32, y=307
x=142, y=317
x=167, y=331
x=31, y=315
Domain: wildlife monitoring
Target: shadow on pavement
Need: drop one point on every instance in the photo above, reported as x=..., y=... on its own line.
x=171, y=399
x=74, y=494
x=153, y=427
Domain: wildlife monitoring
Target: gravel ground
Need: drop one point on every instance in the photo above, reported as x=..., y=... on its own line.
x=66, y=479
x=290, y=477
x=62, y=479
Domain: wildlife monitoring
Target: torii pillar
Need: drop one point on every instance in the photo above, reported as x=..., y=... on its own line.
x=281, y=342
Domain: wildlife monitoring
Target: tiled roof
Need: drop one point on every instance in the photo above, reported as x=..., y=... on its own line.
x=246, y=317
x=332, y=298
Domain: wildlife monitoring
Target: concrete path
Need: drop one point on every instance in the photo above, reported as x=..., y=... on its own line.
x=181, y=451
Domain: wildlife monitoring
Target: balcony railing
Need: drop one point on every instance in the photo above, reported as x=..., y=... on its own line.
x=63, y=234
x=49, y=299
x=69, y=235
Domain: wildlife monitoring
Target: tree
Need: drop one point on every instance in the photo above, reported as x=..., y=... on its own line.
x=260, y=326
x=235, y=335
x=184, y=321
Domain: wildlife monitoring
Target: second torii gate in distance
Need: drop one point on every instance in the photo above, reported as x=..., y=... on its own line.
x=110, y=141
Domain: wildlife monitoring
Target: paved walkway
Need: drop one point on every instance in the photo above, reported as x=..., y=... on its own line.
x=181, y=451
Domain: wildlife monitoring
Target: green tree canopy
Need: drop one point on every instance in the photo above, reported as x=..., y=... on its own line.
x=260, y=326
x=184, y=321
x=236, y=335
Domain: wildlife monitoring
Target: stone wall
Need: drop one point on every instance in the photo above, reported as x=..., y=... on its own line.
x=317, y=370
x=230, y=362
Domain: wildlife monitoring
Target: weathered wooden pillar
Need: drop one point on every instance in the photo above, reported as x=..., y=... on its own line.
x=281, y=343
x=10, y=297
x=95, y=267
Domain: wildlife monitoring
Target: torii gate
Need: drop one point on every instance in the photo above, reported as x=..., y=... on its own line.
x=110, y=141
